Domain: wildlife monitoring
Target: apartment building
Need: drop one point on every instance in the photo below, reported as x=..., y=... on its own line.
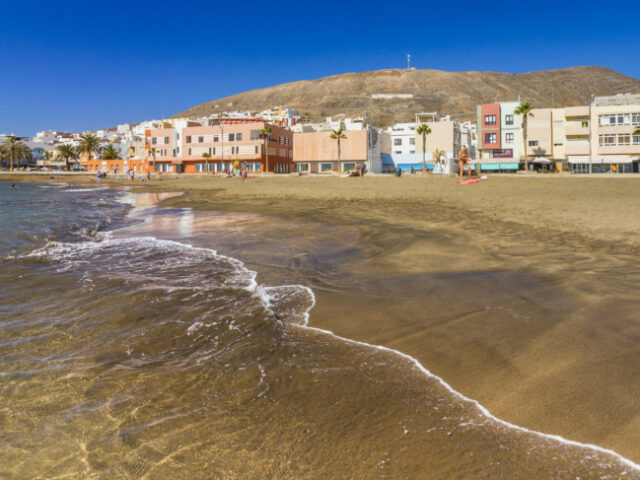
x=317, y=152
x=499, y=136
x=614, y=148
x=597, y=137
x=403, y=138
x=446, y=137
x=231, y=139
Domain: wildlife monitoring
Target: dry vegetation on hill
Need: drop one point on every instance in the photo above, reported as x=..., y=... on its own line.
x=454, y=93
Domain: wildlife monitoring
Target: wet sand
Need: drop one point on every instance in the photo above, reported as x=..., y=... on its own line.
x=520, y=293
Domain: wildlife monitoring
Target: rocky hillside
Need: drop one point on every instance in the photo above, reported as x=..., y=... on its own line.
x=395, y=95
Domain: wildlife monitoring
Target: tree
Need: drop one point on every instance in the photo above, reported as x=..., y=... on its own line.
x=89, y=144
x=109, y=153
x=424, y=130
x=338, y=135
x=265, y=133
x=206, y=156
x=68, y=152
x=153, y=152
x=13, y=149
x=636, y=131
x=524, y=109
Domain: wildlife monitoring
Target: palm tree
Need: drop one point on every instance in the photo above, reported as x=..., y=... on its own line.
x=89, y=144
x=424, y=130
x=636, y=131
x=338, y=135
x=109, y=153
x=524, y=109
x=13, y=149
x=206, y=156
x=153, y=152
x=68, y=152
x=266, y=135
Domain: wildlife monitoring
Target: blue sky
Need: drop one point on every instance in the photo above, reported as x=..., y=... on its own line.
x=88, y=65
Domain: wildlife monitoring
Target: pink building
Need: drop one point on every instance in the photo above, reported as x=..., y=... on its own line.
x=226, y=141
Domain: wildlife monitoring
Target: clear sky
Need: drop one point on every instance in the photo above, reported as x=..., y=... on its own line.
x=87, y=65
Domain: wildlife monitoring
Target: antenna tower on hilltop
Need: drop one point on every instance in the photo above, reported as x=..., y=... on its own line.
x=408, y=61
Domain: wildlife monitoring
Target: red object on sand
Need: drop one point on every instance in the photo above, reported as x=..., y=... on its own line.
x=472, y=180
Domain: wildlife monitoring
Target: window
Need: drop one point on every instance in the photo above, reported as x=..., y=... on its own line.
x=302, y=167
x=177, y=136
x=490, y=138
x=508, y=119
x=624, y=139
x=489, y=119
x=636, y=139
x=533, y=143
x=585, y=124
x=280, y=140
x=256, y=150
x=398, y=152
x=606, y=140
x=154, y=141
x=231, y=137
x=412, y=141
x=200, y=139
x=397, y=141
x=508, y=138
x=214, y=150
x=326, y=167
x=635, y=119
x=188, y=138
x=189, y=151
x=348, y=166
x=216, y=139
x=412, y=151
x=209, y=150
x=238, y=137
x=166, y=140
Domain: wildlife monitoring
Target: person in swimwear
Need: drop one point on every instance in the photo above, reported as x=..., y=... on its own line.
x=463, y=160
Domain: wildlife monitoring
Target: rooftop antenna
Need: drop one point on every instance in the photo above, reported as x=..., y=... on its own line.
x=408, y=61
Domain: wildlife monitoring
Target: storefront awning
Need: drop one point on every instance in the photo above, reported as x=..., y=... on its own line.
x=600, y=160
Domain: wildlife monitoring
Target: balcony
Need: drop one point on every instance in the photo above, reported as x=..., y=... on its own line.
x=577, y=148
x=582, y=111
x=576, y=131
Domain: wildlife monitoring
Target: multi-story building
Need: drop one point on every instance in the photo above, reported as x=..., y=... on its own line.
x=403, y=138
x=499, y=136
x=317, y=152
x=591, y=138
x=228, y=140
x=614, y=148
x=446, y=138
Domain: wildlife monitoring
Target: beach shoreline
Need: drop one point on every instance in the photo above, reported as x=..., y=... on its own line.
x=512, y=323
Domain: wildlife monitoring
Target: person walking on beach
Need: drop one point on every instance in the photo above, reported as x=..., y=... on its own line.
x=131, y=174
x=244, y=171
x=463, y=160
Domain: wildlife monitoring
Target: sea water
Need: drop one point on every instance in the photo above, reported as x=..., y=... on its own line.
x=127, y=353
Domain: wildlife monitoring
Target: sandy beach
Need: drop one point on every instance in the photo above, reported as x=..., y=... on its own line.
x=520, y=292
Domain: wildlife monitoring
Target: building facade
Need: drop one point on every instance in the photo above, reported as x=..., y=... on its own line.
x=499, y=136
x=225, y=141
x=317, y=152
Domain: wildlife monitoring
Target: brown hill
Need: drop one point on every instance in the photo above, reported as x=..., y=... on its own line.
x=448, y=93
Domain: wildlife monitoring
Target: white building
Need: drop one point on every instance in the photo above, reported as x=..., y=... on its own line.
x=403, y=138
